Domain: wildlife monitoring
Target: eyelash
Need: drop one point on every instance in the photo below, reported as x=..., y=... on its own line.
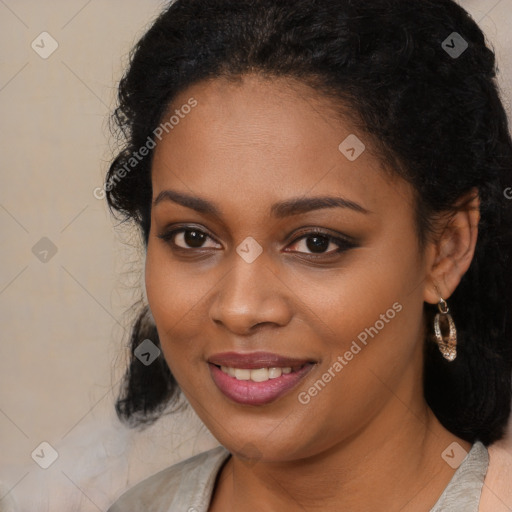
x=343, y=243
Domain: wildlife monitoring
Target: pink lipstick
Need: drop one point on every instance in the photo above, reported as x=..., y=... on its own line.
x=257, y=378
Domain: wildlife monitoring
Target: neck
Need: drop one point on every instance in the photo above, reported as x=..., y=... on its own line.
x=397, y=466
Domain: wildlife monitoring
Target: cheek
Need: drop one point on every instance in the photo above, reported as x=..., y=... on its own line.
x=169, y=297
x=361, y=296
x=158, y=288
x=375, y=320
x=172, y=289
x=176, y=295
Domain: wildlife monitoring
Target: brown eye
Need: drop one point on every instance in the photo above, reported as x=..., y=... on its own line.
x=318, y=243
x=193, y=238
x=186, y=238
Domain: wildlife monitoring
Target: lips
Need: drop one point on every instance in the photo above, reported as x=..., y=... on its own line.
x=256, y=360
x=234, y=375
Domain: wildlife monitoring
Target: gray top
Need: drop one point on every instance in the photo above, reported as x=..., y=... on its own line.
x=188, y=485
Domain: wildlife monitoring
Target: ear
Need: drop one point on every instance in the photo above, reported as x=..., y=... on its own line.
x=451, y=253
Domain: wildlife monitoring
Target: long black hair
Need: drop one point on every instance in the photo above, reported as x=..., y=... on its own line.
x=418, y=78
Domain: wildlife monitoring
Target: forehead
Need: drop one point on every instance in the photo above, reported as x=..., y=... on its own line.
x=261, y=140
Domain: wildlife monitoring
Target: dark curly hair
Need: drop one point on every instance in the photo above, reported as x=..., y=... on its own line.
x=435, y=118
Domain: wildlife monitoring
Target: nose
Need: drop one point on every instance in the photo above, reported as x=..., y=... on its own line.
x=250, y=296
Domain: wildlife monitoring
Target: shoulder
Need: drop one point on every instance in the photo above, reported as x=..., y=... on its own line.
x=177, y=487
x=464, y=489
x=497, y=492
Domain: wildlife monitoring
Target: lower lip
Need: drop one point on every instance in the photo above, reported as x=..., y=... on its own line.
x=248, y=392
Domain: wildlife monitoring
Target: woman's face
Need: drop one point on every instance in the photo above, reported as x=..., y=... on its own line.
x=248, y=283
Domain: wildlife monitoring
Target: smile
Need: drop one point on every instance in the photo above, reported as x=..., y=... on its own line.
x=258, y=375
x=256, y=379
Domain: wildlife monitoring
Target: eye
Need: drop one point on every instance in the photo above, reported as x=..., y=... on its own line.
x=186, y=238
x=318, y=243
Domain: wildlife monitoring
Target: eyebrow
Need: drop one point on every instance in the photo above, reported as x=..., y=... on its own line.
x=294, y=206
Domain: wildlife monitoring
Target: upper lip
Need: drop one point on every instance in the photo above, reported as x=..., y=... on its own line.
x=256, y=360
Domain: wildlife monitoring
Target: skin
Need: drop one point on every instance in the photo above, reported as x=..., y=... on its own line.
x=496, y=493
x=368, y=440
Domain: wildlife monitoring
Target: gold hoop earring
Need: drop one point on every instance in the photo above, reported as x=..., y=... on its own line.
x=448, y=346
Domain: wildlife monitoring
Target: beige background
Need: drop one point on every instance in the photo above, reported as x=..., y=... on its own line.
x=63, y=320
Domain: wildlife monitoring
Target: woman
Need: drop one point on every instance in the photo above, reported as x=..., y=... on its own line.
x=320, y=188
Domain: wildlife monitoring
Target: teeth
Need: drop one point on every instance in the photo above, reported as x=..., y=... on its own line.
x=273, y=373
x=242, y=374
x=256, y=375
x=260, y=375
